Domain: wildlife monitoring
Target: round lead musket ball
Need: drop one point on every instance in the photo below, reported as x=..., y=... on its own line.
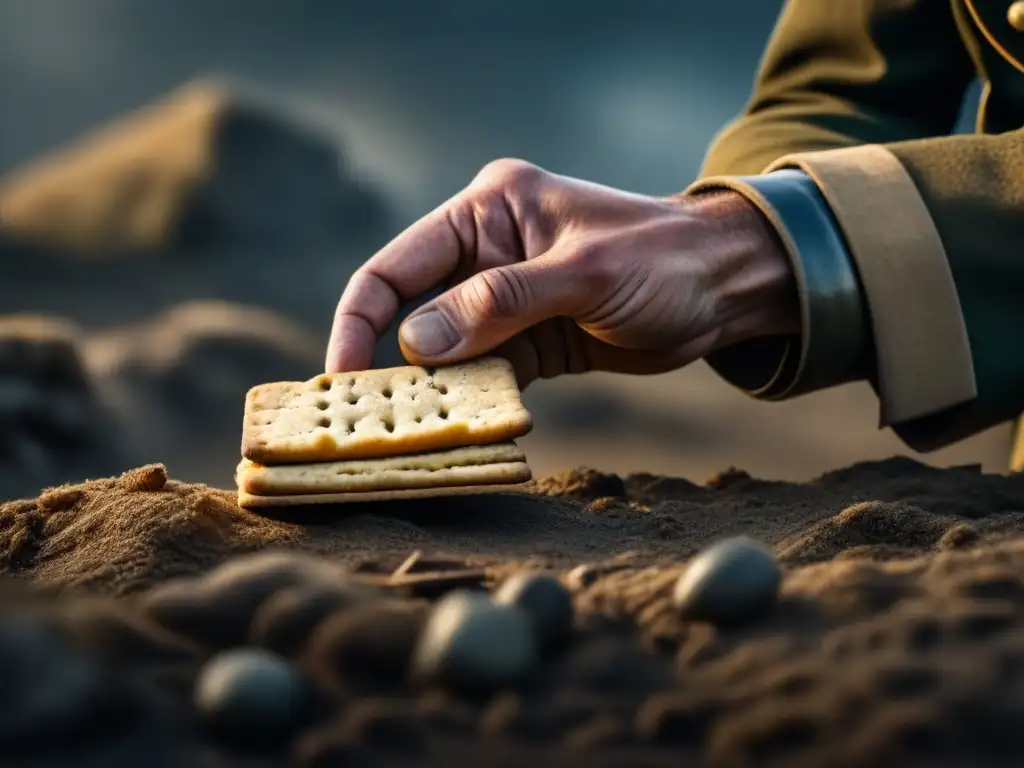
x=469, y=642
x=729, y=582
x=545, y=601
x=250, y=693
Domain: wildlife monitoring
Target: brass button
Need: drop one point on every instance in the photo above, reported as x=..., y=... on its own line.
x=1015, y=15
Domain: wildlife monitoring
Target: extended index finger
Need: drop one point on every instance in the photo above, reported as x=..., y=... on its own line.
x=420, y=258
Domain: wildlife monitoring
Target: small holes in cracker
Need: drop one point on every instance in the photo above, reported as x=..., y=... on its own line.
x=383, y=412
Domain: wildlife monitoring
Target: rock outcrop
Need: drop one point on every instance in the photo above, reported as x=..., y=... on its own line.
x=75, y=405
x=209, y=164
x=53, y=423
x=176, y=384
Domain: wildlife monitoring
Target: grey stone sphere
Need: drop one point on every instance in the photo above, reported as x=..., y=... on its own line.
x=469, y=642
x=250, y=692
x=545, y=600
x=728, y=582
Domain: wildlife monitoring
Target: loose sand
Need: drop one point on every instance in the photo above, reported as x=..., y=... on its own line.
x=899, y=638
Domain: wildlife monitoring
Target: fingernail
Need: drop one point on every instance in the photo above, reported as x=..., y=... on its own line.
x=429, y=334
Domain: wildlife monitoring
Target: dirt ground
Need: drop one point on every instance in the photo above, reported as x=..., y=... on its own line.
x=898, y=638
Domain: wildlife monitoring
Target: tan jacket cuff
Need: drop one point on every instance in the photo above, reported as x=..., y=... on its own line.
x=922, y=350
x=1017, y=452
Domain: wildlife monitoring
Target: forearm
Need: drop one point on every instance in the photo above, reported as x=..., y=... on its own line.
x=749, y=277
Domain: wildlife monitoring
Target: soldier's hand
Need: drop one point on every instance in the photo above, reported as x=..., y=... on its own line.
x=563, y=276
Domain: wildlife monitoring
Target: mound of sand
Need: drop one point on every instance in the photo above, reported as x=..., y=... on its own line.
x=898, y=639
x=207, y=165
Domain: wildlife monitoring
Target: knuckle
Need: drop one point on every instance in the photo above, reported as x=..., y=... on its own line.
x=509, y=173
x=492, y=219
x=590, y=264
x=497, y=294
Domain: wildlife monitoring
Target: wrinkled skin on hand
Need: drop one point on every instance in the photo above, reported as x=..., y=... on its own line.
x=560, y=275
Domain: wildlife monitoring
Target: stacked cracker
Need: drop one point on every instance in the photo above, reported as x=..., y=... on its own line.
x=375, y=435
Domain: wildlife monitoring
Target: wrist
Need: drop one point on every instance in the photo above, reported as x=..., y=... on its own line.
x=753, y=283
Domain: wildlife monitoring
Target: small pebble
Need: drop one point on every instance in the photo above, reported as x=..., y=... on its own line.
x=961, y=535
x=148, y=479
x=728, y=582
x=545, y=601
x=581, y=577
x=587, y=574
x=471, y=643
x=250, y=693
x=260, y=574
x=218, y=608
x=367, y=648
x=286, y=621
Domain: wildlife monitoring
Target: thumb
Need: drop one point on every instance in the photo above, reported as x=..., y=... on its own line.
x=489, y=308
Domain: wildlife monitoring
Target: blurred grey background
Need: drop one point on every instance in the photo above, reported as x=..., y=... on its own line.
x=417, y=96
x=421, y=93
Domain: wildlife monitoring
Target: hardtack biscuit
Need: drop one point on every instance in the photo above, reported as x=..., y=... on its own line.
x=386, y=412
x=502, y=463
x=250, y=500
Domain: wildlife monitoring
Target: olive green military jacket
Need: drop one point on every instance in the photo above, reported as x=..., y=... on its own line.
x=907, y=242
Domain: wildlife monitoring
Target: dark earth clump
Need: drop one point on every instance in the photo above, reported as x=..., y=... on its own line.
x=895, y=637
